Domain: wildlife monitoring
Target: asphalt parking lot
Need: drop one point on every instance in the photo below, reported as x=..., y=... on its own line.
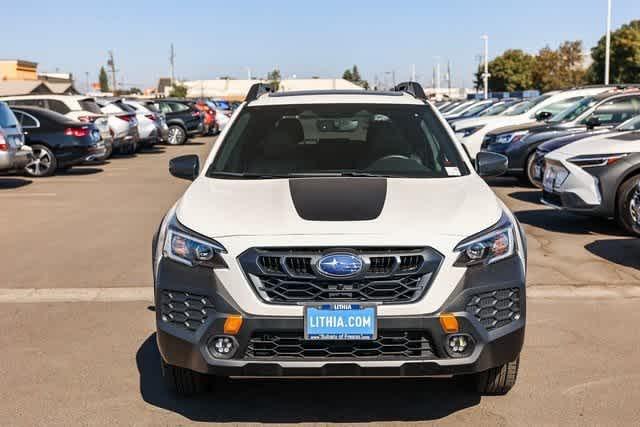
x=78, y=337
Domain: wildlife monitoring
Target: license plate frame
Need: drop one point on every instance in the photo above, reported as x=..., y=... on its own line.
x=366, y=331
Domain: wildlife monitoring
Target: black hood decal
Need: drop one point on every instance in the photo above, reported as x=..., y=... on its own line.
x=338, y=199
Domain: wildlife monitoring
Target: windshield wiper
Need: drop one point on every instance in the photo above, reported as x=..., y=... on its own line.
x=243, y=175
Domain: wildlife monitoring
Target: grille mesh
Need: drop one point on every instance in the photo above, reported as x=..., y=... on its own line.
x=389, y=275
x=389, y=345
x=184, y=309
x=496, y=308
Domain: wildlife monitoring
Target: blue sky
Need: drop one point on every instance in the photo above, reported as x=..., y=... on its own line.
x=303, y=38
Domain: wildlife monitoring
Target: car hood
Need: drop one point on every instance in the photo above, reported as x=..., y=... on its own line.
x=613, y=142
x=531, y=127
x=419, y=208
x=556, y=143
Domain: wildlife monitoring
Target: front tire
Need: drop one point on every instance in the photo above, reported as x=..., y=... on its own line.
x=184, y=381
x=44, y=163
x=498, y=381
x=627, y=209
x=529, y=166
x=177, y=135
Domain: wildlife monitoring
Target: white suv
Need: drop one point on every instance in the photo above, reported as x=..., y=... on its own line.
x=339, y=233
x=598, y=176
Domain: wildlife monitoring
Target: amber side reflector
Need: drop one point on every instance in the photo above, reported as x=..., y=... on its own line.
x=449, y=323
x=233, y=324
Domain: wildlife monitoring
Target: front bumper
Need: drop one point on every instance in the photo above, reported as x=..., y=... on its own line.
x=189, y=347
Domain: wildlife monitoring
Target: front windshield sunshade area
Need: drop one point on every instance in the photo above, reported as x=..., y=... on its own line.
x=340, y=140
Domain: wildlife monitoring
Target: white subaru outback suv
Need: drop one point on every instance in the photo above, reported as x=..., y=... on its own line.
x=339, y=233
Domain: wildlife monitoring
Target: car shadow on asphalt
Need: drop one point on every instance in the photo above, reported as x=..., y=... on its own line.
x=503, y=181
x=619, y=251
x=567, y=223
x=79, y=171
x=152, y=150
x=532, y=196
x=11, y=183
x=306, y=400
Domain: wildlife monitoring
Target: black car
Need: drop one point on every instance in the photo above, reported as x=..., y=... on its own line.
x=183, y=119
x=582, y=119
x=57, y=141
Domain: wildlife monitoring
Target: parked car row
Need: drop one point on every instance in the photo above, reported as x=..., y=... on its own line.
x=40, y=134
x=584, y=156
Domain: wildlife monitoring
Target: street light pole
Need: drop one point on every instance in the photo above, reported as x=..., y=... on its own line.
x=607, y=58
x=485, y=75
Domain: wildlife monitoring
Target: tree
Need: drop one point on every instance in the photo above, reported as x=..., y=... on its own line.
x=510, y=71
x=274, y=79
x=135, y=91
x=104, y=80
x=353, y=75
x=559, y=69
x=625, y=56
x=178, y=91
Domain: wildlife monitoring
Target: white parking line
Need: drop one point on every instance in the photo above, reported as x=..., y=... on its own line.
x=132, y=294
x=34, y=295
x=11, y=195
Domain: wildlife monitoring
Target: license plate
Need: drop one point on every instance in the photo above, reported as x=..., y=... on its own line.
x=341, y=322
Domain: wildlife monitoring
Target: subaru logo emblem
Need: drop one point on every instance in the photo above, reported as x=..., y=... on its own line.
x=340, y=265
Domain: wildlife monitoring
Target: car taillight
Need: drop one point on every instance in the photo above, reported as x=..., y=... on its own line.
x=4, y=145
x=77, y=132
x=125, y=117
x=150, y=116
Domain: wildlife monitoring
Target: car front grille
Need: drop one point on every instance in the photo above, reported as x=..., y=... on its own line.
x=184, y=309
x=388, y=346
x=291, y=276
x=496, y=308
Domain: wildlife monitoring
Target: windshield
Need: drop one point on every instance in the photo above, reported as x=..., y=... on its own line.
x=573, y=111
x=525, y=106
x=341, y=140
x=476, y=109
x=7, y=118
x=631, y=124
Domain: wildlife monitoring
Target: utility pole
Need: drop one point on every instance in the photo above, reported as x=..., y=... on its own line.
x=172, y=58
x=112, y=65
x=485, y=75
x=437, y=77
x=449, y=76
x=607, y=58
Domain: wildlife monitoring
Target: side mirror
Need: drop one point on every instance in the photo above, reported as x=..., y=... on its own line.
x=543, y=116
x=491, y=164
x=593, y=122
x=185, y=167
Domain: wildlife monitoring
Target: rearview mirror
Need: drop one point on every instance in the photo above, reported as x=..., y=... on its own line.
x=491, y=164
x=185, y=167
x=593, y=122
x=543, y=116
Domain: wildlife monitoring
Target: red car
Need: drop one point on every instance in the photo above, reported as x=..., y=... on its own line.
x=209, y=118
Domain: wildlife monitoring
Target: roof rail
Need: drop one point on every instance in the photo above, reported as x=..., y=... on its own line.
x=412, y=88
x=257, y=90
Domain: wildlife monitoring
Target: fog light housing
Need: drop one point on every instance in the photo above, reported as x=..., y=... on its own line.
x=223, y=347
x=460, y=345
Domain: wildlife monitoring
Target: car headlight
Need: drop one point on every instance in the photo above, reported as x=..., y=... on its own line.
x=509, y=138
x=186, y=247
x=595, y=160
x=465, y=132
x=488, y=247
